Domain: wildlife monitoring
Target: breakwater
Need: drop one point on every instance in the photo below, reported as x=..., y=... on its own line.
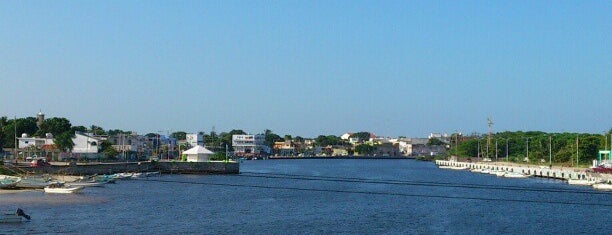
x=560, y=173
x=163, y=167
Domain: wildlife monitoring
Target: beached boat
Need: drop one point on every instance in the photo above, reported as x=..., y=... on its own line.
x=581, y=182
x=603, y=186
x=515, y=175
x=14, y=217
x=86, y=184
x=605, y=168
x=7, y=182
x=33, y=182
x=60, y=188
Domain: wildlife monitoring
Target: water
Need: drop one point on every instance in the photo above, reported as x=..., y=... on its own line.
x=276, y=197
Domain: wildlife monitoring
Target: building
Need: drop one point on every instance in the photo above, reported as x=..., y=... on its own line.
x=284, y=148
x=198, y=154
x=25, y=141
x=195, y=139
x=85, y=143
x=249, y=145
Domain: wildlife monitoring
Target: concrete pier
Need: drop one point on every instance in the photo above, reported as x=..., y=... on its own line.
x=562, y=174
x=163, y=167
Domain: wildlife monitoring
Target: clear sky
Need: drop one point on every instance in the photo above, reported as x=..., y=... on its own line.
x=310, y=67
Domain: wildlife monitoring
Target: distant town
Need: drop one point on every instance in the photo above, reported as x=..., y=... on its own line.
x=55, y=139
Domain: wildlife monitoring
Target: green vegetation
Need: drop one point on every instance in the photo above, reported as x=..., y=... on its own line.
x=563, y=146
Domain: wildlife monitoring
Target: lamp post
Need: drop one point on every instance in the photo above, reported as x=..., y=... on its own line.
x=527, y=144
x=496, y=150
x=506, y=149
x=550, y=151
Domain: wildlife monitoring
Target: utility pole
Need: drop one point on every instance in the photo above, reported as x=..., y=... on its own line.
x=577, y=162
x=15, y=134
x=490, y=124
x=550, y=151
x=527, y=148
x=506, y=149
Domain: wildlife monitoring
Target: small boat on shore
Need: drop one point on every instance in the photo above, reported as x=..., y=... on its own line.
x=86, y=184
x=603, y=186
x=581, y=182
x=17, y=217
x=61, y=188
x=515, y=175
x=7, y=182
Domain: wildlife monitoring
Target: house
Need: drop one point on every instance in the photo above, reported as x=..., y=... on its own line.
x=195, y=139
x=25, y=141
x=284, y=148
x=85, y=143
x=248, y=145
x=346, y=136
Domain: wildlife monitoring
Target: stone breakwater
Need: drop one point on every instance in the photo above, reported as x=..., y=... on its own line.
x=163, y=167
x=560, y=173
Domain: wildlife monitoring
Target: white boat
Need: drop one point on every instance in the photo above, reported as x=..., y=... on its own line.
x=515, y=175
x=476, y=170
x=500, y=173
x=16, y=217
x=603, y=186
x=485, y=171
x=458, y=168
x=444, y=167
x=86, y=184
x=8, y=181
x=581, y=182
x=155, y=173
x=60, y=188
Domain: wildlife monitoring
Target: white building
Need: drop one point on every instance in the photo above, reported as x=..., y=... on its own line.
x=195, y=139
x=25, y=141
x=249, y=144
x=198, y=154
x=85, y=143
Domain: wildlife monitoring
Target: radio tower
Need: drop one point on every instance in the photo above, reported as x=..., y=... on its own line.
x=490, y=123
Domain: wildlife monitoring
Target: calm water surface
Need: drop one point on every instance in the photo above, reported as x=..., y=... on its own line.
x=320, y=197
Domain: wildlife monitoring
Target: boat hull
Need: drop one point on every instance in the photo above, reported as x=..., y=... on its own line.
x=63, y=190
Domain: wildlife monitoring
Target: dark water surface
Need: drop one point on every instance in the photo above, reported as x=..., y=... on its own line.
x=320, y=197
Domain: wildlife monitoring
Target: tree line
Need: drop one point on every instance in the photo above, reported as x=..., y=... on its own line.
x=564, y=148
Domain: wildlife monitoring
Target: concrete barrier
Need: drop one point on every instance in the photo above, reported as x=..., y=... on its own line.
x=163, y=167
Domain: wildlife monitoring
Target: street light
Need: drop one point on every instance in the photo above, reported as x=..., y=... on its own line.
x=527, y=144
x=550, y=151
x=507, y=149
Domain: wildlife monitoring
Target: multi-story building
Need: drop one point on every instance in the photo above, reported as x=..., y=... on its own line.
x=195, y=139
x=85, y=143
x=245, y=145
x=25, y=141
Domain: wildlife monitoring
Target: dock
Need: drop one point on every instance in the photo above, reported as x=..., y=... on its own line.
x=537, y=171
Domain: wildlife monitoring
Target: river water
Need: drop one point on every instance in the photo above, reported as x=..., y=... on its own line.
x=320, y=196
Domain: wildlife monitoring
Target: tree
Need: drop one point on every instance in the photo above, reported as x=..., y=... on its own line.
x=323, y=140
x=55, y=126
x=96, y=130
x=79, y=129
x=435, y=141
x=363, y=136
x=179, y=135
x=364, y=149
x=270, y=138
x=64, y=142
x=106, y=147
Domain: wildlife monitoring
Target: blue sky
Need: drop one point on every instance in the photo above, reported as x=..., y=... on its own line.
x=310, y=67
